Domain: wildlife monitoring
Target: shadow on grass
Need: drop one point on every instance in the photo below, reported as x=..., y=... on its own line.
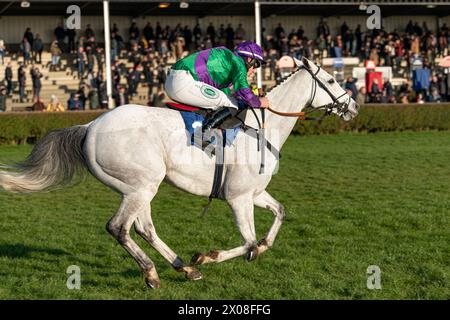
x=19, y=250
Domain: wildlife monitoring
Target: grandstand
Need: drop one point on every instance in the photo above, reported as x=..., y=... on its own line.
x=59, y=83
x=43, y=16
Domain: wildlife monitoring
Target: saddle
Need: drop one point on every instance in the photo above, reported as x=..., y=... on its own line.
x=228, y=124
x=195, y=117
x=248, y=120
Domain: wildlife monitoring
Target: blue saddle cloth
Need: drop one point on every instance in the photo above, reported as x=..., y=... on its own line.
x=194, y=121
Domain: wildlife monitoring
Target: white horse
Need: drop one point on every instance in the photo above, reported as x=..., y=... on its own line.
x=132, y=149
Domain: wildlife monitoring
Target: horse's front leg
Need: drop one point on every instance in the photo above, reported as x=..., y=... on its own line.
x=266, y=201
x=243, y=214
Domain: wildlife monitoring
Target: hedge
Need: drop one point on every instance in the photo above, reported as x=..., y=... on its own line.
x=380, y=118
x=22, y=127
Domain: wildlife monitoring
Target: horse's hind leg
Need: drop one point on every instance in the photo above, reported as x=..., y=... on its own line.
x=145, y=228
x=243, y=213
x=119, y=227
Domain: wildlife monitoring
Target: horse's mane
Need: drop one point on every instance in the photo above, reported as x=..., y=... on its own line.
x=284, y=81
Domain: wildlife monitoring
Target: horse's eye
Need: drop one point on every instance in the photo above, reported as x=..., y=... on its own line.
x=331, y=81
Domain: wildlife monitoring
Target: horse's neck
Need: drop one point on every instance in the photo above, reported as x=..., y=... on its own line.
x=290, y=96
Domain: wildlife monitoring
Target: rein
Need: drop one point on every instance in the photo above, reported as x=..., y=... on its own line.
x=300, y=115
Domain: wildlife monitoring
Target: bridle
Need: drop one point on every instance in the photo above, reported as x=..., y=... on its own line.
x=341, y=107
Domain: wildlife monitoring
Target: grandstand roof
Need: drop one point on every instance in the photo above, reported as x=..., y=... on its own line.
x=230, y=7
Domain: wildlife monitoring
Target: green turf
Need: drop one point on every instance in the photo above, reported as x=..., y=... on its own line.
x=352, y=200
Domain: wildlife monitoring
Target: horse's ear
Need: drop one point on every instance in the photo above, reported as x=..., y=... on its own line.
x=306, y=63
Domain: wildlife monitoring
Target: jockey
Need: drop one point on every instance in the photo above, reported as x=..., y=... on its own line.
x=203, y=79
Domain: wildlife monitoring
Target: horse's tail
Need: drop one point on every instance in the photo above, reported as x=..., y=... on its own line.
x=54, y=160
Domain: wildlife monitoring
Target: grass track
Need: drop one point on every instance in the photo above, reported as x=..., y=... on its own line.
x=352, y=200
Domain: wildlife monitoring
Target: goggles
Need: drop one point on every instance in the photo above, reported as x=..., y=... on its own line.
x=254, y=63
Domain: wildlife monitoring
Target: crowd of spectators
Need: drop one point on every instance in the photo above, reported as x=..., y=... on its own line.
x=149, y=49
x=416, y=47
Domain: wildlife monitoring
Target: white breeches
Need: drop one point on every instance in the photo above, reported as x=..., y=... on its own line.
x=183, y=88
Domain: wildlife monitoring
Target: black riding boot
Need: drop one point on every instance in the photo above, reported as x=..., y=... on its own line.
x=210, y=123
x=216, y=120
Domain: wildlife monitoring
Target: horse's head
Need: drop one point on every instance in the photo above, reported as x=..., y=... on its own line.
x=326, y=93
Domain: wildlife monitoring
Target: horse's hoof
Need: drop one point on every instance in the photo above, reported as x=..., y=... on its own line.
x=152, y=278
x=252, y=254
x=194, y=274
x=153, y=283
x=198, y=258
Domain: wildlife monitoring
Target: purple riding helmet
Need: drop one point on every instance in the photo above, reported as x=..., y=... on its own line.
x=251, y=50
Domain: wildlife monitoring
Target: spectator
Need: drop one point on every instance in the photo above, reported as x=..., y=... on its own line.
x=388, y=87
x=279, y=31
x=419, y=98
x=81, y=56
x=161, y=77
x=197, y=35
x=351, y=85
x=115, y=28
x=240, y=33
x=93, y=99
x=404, y=98
x=361, y=97
x=56, y=55
x=8, y=79
x=90, y=59
x=91, y=79
x=88, y=33
x=21, y=76
x=37, y=49
x=148, y=32
x=81, y=95
x=133, y=31
x=71, y=34
x=222, y=35
x=121, y=98
x=25, y=47
x=115, y=76
x=229, y=33
x=114, y=47
x=435, y=96
x=179, y=46
x=3, y=99
x=2, y=50
x=74, y=103
x=60, y=35
x=99, y=55
x=54, y=105
x=187, y=35
x=36, y=76
x=38, y=105
x=132, y=80
x=211, y=32
x=29, y=36
x=103, y=97
x=375, y=93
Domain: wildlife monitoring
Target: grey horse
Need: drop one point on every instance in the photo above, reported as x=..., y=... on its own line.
x=133, y=148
